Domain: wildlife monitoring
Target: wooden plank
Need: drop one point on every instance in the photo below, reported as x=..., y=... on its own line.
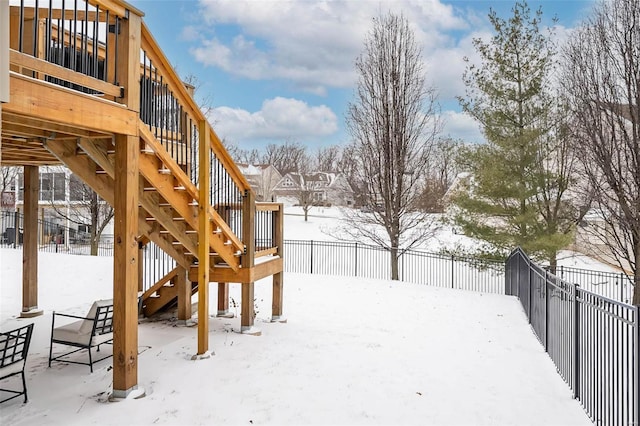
x=278, y=278
x=248, y=260
x=126, y=202
x=164, y=67
x=29, y=13
x=54, y=129
x=204, y=233
x=119, y=7
x=184, y=294
x=30, y=239
x=177, y=229
x=84, y=168
x=230, y=166
x=223, y=298
x=97, y=150
x=128, y=66
x=36, y=98
x=21, y=131
x=268, y=207
x=266, y=252
x=125, y=260
x=32, y=63
x=164, y=280
x=244, y=275
x=171, y=164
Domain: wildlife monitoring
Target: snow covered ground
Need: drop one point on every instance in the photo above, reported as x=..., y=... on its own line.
x=354, y=351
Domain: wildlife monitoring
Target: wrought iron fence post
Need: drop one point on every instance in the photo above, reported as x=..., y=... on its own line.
x=622, y=284
x=576, y=342
x=452, y=271
x=16, y=228
x=530, y=291
x=636, y=326
x=356, y=260
x=546, y=310
x=311, y=257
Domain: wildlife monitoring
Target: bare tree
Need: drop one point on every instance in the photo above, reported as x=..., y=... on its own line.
x=602, y=80
x=393, y=121
x=85, y=207
x=8, y=176
x=443, y=169
x=287, y=157
x=327, y=159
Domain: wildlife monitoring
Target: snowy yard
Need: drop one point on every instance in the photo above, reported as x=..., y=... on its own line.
x=354, y=351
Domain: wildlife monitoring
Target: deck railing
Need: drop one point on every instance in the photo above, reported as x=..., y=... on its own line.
x=74, y=43
x=68, y=43
x=171, y=114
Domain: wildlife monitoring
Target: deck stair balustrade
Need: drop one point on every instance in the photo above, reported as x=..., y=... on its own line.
x=91, y=89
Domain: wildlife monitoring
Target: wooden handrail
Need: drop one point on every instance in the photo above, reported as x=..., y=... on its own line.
x=161, y=62
x=268, y=207
x=225, y=158
x=160, y=283
x=40, y=65
x=118, y=7
x=183, y=180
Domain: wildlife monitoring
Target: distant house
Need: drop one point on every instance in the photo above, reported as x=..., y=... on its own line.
x=327, y=189
x=263, y=178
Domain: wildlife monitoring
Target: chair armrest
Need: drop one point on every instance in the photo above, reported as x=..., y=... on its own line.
x=73, y=316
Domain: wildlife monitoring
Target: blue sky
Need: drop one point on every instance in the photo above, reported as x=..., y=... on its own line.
x=277, y=70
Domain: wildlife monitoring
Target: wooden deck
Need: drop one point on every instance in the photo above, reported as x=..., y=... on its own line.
x=109, y=106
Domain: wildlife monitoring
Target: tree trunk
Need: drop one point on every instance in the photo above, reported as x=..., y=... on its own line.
x=553, y=262
x=394, y=263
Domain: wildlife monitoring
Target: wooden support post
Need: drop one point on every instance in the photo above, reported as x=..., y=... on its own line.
x=248, y=261
x=140, y=266
x=204, y=234
x=184, y=295
x=125, y=230
x=223, y=301
x=278, y=284
x=30, y=243
x=125, y=274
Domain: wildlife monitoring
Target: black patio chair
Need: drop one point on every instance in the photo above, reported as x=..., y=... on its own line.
x=14, y=347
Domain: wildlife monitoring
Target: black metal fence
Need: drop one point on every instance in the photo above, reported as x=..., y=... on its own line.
x=362, y=260
x=52, y=237
x=614, y=285
x=593, y=340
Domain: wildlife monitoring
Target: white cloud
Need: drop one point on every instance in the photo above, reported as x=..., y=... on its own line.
x=459, y=125
x=278, y=119
x=313, y=44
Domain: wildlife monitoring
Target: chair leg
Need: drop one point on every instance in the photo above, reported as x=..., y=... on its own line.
x=24, y=386
x=90, y=361
x=50, y=353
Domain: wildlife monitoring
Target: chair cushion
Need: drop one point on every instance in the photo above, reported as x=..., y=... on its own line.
x=75, y=332
x=87, y=326
x=101, y=338
x=8, y=370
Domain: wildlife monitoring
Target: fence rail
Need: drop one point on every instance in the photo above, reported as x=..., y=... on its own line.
x=594, y=341
x=614, y=285
x=362, y=260
x=52, y=237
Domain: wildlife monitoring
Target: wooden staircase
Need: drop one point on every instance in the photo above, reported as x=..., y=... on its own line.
x=168, y=212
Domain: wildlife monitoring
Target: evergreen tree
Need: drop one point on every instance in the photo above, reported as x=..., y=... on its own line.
x=520, y=180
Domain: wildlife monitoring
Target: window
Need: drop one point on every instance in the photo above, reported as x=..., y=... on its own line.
x=77, y=190
x=52, y=187
x=58, y=186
